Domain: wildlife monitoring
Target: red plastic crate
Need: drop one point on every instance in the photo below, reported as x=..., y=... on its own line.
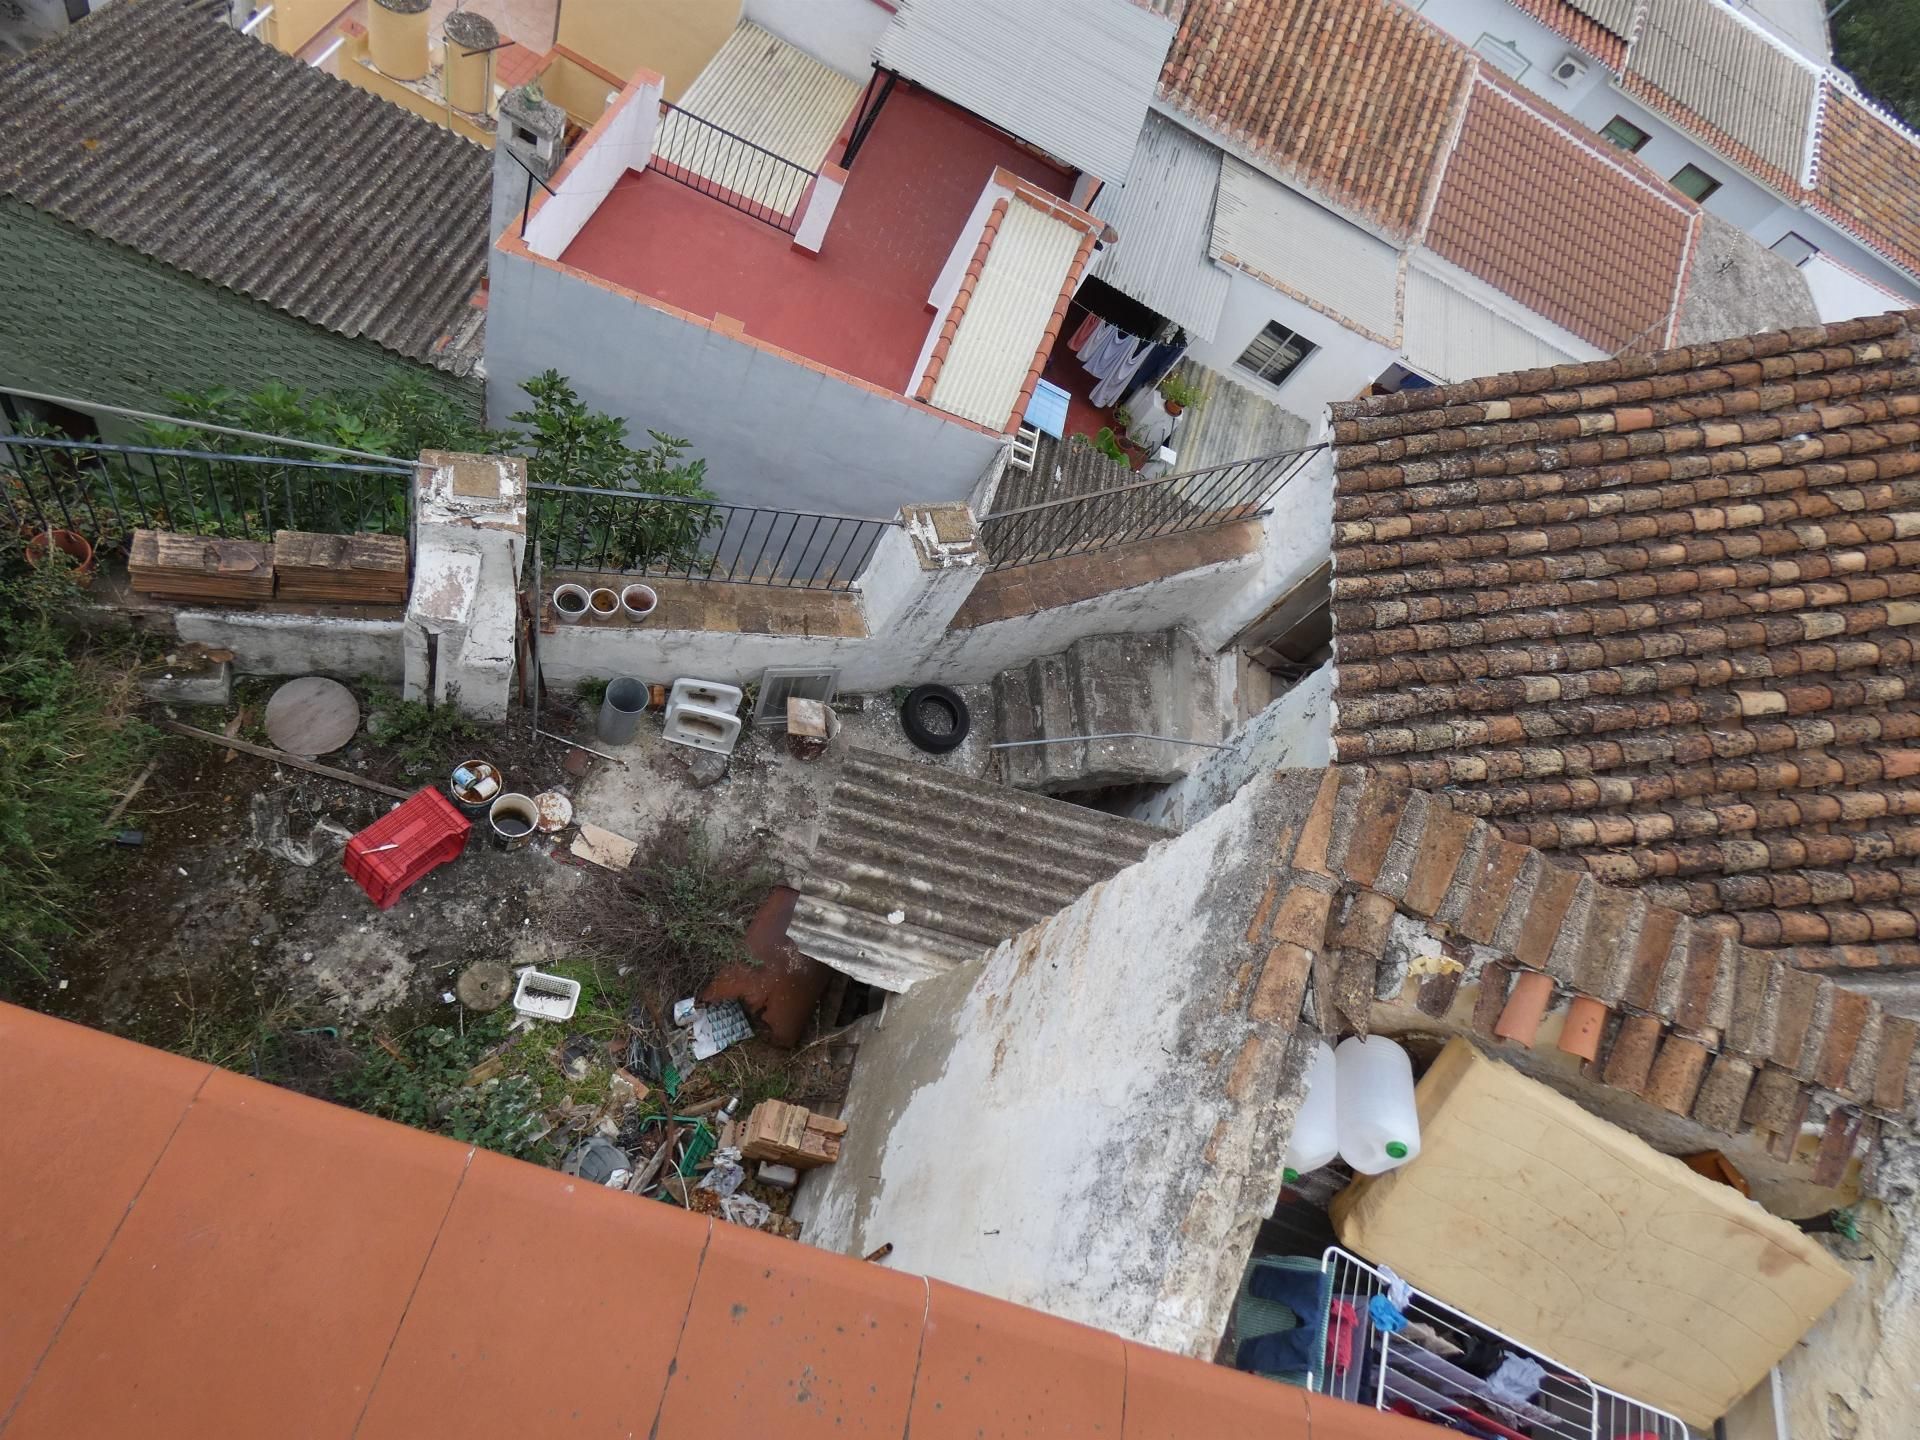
x=425, y=831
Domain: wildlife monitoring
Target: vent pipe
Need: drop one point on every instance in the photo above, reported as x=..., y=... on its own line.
x=397, y=38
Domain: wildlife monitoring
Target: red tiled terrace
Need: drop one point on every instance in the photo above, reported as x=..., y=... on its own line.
x=860, y=305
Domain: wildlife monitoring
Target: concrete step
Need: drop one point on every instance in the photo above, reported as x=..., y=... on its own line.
x=963, y=864
x=1161, y=683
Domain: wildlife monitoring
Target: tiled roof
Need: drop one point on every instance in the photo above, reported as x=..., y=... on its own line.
x=1584, y=30
x=1658, y=612
x=1740, y=90
x=157, y=128
x=1736, y=1039
x=1867, y=178
x=242, y=1260
x=1352, y=99
x=1555, y=218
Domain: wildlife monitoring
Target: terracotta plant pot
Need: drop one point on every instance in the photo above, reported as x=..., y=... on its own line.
x=570, y=604
x=637, y=602
x=603, y=604
x=1172, y=407
x=70, y=543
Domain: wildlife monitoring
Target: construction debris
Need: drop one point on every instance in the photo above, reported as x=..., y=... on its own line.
x=192, y=567
x=340, y=569
x=791, y=1135
x=603, y=847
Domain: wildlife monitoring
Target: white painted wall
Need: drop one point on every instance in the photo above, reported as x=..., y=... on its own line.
x=1468, y=20
x=1299, y=535
x=625, y=143
x=1343, y=365
x=1843, y=294
x=1294, y=732
x=841, y=33
x=772, y=431
x=264, y=644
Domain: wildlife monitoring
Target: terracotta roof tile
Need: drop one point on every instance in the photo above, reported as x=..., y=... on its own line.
x=1533, y=204
x=1660, y=613
x=1567, y=22
x=1867, y=178
x=1352, y=99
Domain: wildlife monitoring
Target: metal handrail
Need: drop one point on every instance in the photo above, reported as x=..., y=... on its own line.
x=56, y=442
x=93, y=406
x=709, y=148
x=1162, y=481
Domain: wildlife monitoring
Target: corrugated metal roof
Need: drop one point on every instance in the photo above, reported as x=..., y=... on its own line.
x=1001, y=328
x=1164, y=217
x=963, y=864
x=1281, y=236
x=771, y=93
x=1070, y=76
x=1453, y=337
x=155, y=127
x=1731, y=74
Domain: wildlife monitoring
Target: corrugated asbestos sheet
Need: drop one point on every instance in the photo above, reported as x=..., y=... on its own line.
x=767, y=91
x=1730, y=75
x=1000, y=330
x=156, y=127
x=1452, y=337
x=1070, y=76
x=1280, y=235
x=1164, y=217
x=1615, y=15
x=919, y=869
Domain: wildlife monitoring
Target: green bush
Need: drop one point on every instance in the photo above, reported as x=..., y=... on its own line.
x=425, y=1086
x=68, y=751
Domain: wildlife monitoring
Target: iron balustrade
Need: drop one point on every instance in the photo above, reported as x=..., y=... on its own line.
x=106, y=492
x=1143, y=510
x=730, y=168
x=637, y=533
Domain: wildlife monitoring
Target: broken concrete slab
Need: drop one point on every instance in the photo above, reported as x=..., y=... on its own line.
x=603, y=848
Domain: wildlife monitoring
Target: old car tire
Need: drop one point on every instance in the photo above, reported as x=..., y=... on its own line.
x=935, y=718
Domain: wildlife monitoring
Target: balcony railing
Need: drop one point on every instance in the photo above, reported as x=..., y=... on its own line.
x=1142, y=510
x=671, y=537
x=730, y=168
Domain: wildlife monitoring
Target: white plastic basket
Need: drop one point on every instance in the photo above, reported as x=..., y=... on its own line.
x=546, y=997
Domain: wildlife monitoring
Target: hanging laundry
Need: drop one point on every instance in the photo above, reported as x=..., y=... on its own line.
x=1115, y=382
x=1084, y=333
x=1517, y=1380
x=1106, y=346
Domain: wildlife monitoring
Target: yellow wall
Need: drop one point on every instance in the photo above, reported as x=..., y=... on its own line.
x=675, y=37
x=355, y=70
x=576, y=89
x=295, y=22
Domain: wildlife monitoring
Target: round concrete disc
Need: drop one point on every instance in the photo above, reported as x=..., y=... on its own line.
x=485, y=986
x=556, y=811
x=312, y=716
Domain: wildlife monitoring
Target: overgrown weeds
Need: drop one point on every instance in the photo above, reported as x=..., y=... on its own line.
x=419, y=734
x=68, y=750
x=422, y=1081
x=680, y=911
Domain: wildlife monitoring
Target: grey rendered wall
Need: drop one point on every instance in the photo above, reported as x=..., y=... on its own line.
x=84, y=317
x=772, y=432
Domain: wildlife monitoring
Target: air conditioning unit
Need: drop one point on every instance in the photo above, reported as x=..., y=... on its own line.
x=1569, y=68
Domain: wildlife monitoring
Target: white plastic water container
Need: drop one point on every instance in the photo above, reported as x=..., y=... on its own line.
x=1374, y=1113
x=1315, y=1139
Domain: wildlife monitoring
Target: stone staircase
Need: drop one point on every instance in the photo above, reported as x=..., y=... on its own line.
x=918, y=869
x=1162, y=683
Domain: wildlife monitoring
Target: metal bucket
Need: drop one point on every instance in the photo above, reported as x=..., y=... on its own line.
x=474, y=786
x=620, y=711
x=513, y=820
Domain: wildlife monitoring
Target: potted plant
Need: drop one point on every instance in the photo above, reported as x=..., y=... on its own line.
x=570, y=603
x=637, y=602
x=70, y=543
x=1177, y=394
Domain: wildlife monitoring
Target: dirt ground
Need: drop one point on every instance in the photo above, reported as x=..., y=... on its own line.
x=232, y=933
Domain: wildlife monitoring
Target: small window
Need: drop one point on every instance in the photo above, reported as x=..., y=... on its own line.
x=1503, y=55
x=1627, y=135
x=1695, y=183
x=526, y=137
x=1795, y=249
x=1276, y=352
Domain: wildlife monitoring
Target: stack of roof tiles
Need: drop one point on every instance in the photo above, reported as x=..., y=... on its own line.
x=1657, y=614
x=1736, y=1039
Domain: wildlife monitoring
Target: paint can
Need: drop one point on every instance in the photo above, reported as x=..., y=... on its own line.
x=513, y=819
x=474, y=786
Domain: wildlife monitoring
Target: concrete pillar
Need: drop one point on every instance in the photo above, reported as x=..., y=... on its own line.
x=816, y=210
x=920, y=575
x=470, y=541
x=530, y=135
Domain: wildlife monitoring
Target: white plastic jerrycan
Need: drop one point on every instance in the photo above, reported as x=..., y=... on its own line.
x=1374, y=1114
x=1315, y=1138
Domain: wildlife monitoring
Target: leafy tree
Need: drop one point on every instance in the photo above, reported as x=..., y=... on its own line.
x=1878, y=43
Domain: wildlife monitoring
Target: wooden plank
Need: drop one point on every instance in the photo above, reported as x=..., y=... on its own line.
x=194, y=567
x=340, y=569
x=282, y=757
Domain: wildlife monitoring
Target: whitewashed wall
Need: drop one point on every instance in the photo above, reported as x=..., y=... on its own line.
x=840, y=33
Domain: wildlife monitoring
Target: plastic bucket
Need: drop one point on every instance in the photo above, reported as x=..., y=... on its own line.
x=513, y=819
x=474, y=786
x=637, y=602
x=621, y=709
x=570, y=604
x=603, y=604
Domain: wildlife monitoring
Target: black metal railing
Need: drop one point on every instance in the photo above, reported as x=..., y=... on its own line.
x=1142, y=510
x=730, y=168
x=106, y=492
x=671, y=537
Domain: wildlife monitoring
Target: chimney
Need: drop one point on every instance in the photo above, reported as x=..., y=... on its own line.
x=397, y=38
x=530, y=134
x=468, y=65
